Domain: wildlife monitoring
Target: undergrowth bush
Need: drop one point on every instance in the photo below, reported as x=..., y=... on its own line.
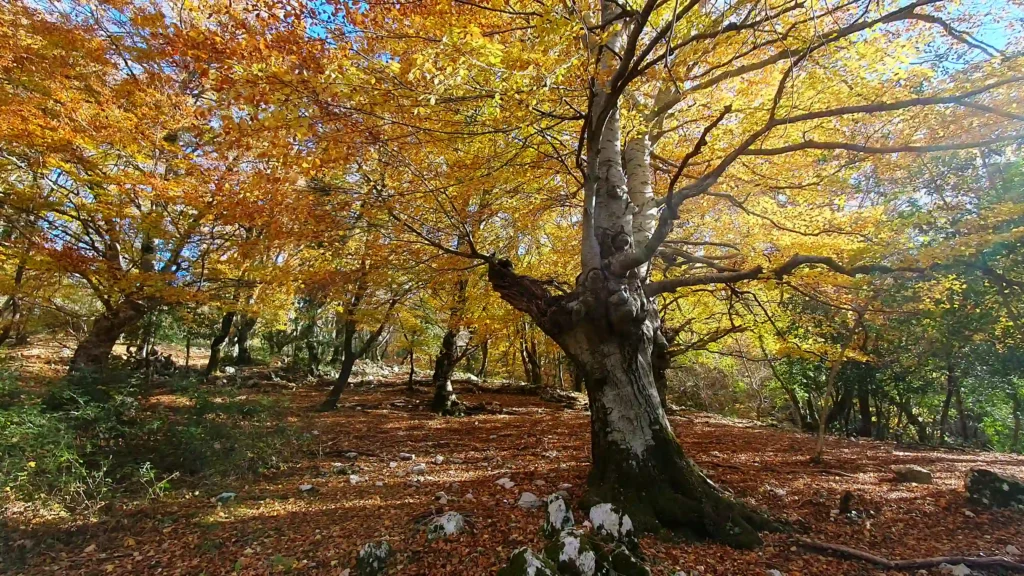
x=91, y=439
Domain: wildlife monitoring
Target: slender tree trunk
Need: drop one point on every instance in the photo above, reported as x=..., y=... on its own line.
x=218, y=342
x=341, y=384
x=913, y=420
x=482, y=374
x=339, y=333
x=952, y=382
x=12, y=305
x=961, y=413
x=412, y=367
x=93, y=352
x=1017, y=408
x=865, y=430
x=830, y=384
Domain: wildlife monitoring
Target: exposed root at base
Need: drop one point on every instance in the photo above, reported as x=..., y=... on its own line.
x=914, y=564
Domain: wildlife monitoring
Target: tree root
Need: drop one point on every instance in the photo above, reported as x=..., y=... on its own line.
x=919, y=563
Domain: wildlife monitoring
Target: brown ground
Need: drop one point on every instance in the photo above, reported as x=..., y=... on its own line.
x=531, y=441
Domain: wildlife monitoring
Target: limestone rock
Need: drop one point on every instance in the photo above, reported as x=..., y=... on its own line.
x=1012, y=550
x=912, y=474
x=559, y=516
x=994, y=490
x=373, y=558
x=447, y=524
x=524, y=562
x=573, y=554
x=958, y=570
x=225, y=497
x=505, y=483
x=529, y=501
x=611, y=523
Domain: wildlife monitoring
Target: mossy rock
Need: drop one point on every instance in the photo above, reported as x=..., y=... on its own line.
x=524, y=562
x=574, y=554
x=994, y=490
x=373, y=558
x=559, y=516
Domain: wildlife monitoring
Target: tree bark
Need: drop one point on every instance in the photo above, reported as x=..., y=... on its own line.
x=218, y=342
x=607, y=328
x=245, y=327
x=93, y=352
x=865, y=430
x=444, y=401
x=1017, y=408
x=952, y=382
x=482, y=374
x=913, y=420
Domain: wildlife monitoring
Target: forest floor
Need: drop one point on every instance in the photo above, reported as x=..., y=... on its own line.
x=273, y=528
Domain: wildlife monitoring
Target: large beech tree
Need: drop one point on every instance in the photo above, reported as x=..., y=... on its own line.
x=679, y=120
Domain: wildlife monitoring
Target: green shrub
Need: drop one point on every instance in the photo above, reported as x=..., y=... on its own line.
x=89, y=440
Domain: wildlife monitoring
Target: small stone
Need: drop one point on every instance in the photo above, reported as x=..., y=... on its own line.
x=438, y=459
x=505, y=483
x=457, y=460
x=970, y=514
x=225, y=497
x=418, y=469
x=1011, y=549
x=539, y=482
x=441, y=498
x=228, y=370
x=378, y=483
x=565, y=486
x=307, y=488
x=912, y=474
x=351, y=455
x=90, y=549
x=958, y=570
x=392, y=464
x=354, y=479
x=775, y=573
x=469, y=498
x=405, y=456
x=529, y=501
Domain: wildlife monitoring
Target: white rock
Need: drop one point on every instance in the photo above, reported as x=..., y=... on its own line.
x=306, y=488
x=958, y=570
x=539, y=482
x=529, y=501
x=354, y=479
x=469, y=498
x=438, y=459
x=564, y=486
x=606, y=519
x=447, y=524
x=405, y=456
x=418, y=469
x=352, y=455
x=775, y=573
x=392, y=464
x=1011, y=549
x=969, y=514
x=228, y=370
x=505, y=483
x=378, y=483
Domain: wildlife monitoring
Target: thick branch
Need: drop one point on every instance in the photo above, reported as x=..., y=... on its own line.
x=920, y=563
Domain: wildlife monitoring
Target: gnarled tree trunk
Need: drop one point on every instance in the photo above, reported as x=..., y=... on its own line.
x=93, y=352
x=607, y=328
x=444, y=401
x=245, y=327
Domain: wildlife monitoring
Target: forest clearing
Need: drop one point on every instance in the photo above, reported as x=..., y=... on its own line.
x=513, y=287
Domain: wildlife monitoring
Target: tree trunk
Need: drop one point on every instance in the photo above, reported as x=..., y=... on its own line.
x=13, y=304
x=952, y=383
x=444, y=402
x=865, y=430
x=245, y=326
x=607, y=328
x=482, y=374
x=1015, y=439
x=218, y=342
x=961, y=412
x=412, y=367
x=913, y=420
x=93, y=352
x=344, y=373
x=531, y=363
